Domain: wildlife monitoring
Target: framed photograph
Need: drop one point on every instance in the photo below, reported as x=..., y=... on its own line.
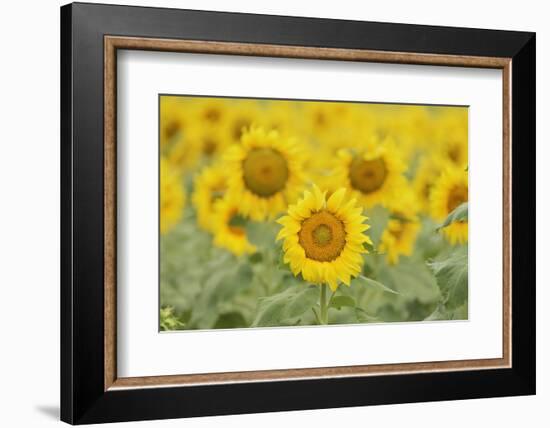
x=265, y=213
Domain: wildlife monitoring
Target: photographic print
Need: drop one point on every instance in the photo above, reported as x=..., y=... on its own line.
x=281, y=213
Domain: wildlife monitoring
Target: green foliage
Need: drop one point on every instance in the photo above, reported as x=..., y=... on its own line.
x=339, y=302
x=363, y=316
x=429, y=244
x=231, y=320
x=411, y=279
x=262, y=235
x=255, y=258
x=169, y=320
x=204, y=287
x=459, y=214
x=378, y=219
x=348, y=309
x=442, y=313
x=452, y=277
x=219, y=287
x=363, y=280
x=287, y=307
x=415, y=292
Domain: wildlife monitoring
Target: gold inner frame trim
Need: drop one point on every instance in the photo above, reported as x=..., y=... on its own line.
x=113, y=43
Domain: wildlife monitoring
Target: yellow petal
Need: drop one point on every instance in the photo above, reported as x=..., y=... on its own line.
x=319, y=198
x=335, y=200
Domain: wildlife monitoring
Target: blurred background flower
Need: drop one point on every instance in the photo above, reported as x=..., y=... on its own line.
x=172, y=197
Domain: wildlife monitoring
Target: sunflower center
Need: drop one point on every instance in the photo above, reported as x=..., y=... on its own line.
x=367, y=176
x=209, y=146
x=171, y=128
x=426, y=190
x=212, y=115
x=322, y=236
x=217, y=193
x=457, y=196
x=320, y=119
x=265, y=172
x=397, y=231
x=236, y=224
x=453, y=152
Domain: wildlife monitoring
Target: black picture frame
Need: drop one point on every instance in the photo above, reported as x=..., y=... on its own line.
x=83, y=397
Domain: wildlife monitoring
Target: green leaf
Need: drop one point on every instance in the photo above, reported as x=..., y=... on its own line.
x=460, y=313
x=302, y=302
x=169, y=320
x=372, y=283
x=338, y=302
x=443, y=313
x=459, y=214
x=410, y=279
x=452, y=277
x=219, y=287
x=231, y=320
x=429, y=244
x=286, y=307
x=378, y=219
x=440, y=313
x=255, y=258
x=186, y=253
x=364, y=316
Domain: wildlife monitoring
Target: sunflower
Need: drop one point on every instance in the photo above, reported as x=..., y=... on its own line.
x=374, y=173
x=227, y=225
x=242, y=115
x=209, y=186
x=427, y=173
x=323, y=239
x=449, y=191
x=210, y=112
x=453, y=136
x=172, y=197
x=323, y=118
x=173, y=120
x=265, y=173
x=346, y=136
x=281, y=116
x=412, y=128
x=184, y=153
x=209, y=142
x=402, y=228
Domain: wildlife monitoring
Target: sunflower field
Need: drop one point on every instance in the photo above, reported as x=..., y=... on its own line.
x=294, y=213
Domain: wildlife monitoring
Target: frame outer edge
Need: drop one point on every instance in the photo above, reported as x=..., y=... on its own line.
x=87, y=211
x=524, y=216
x=82, y=402
x=66, y=218
x=246, y=27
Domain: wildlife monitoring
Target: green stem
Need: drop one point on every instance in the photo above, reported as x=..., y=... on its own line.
x=332, y=293
x=316, y=316
x=324, y=305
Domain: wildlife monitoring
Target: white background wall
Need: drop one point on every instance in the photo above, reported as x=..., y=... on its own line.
x=29, y=213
